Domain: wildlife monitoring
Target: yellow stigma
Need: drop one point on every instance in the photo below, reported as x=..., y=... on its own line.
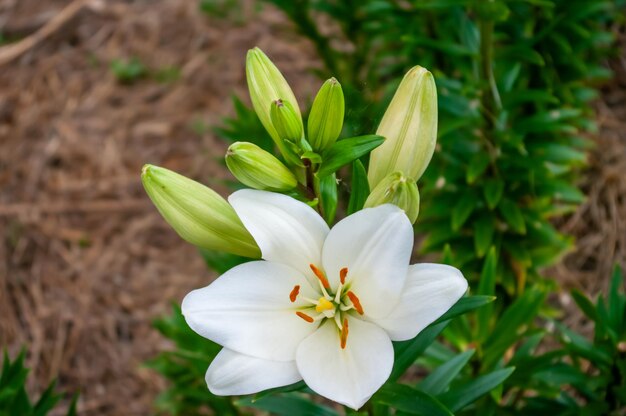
x=323, y=304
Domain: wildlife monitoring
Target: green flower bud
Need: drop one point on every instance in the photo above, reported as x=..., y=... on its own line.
x=399, y=190
x=198, y=214
x=326, y=118
x=287, y=123
x=410, y=128
x=256, y=168
x=266, y=85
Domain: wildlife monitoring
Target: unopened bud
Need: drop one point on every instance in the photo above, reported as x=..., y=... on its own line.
x=410, y=128
x=266, y=85
x=197, y=213
x=287, y=123
x=258, y=169
x=399, y=190
x=326, y=118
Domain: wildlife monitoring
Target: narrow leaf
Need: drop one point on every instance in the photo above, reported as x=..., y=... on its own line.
x=360, y=188
x=347, y=150
x=287, y=406
x=410, y=400
x=438, y=381
x=512, y=215
x=406, y=352
x=464, y=305
x=459, y=397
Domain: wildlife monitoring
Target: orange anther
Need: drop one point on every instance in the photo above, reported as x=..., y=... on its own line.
x=320, y=276
x=342, y=275
x=344, y=333
x=294, y=293
x=355, y=301
x=305, y=316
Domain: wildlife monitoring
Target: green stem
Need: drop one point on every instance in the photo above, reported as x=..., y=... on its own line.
x=311, y=188
x=490, y=98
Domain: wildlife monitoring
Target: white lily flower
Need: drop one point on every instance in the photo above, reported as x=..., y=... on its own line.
x=323, y=306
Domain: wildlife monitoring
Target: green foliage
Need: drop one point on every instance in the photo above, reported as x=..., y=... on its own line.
x=607, y=351
x=14, y=399
x=515, y=79
x=184, y=368
x=128, y=71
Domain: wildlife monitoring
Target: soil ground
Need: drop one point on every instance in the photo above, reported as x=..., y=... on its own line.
x=86, y=263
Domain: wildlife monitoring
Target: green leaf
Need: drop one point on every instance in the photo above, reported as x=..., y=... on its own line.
x=360, y=188
x=412, y=401
x=406, y=352
x=459, y=397
x=492, y=190
x=283, y=405
x=47, y=401
x=312, y=156
x=512, y=215
x=585, y=304
x=346, y=151
x=583, y=347
x=463, y=209
x=328, y=193
x=300, y=385
x=506, y=332
x=221, y=262
x=477, y=165
x=486, y=286
x=438, y=381
x=616, y=303
x=464, y=305
x=484, y=228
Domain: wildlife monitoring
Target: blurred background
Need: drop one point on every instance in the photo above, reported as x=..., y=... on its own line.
x=90, y=90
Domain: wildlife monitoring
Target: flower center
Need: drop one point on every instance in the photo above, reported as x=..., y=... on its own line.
x=336, y=305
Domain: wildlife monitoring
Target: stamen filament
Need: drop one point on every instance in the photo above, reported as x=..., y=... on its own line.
x=294, y=293
x=305, y=316
x=318, y=273
x=355, y=301
x=344, y=333
x=338, y=294
x=338, y=321
x=342, y=275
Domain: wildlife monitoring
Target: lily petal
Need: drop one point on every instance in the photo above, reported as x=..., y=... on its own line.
x=232, y=373
x=348, y=376
x=286, y=230
x=431, y=289
x=375, y=244
x=248, y=309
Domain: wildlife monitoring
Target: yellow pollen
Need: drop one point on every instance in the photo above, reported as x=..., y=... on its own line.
x=323, y=304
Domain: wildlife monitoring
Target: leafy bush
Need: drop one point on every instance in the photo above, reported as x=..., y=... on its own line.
x=14, y=399
x=515, y=79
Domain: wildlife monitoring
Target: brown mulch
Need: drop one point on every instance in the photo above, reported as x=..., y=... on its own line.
x=86, y=263
x=599, y=224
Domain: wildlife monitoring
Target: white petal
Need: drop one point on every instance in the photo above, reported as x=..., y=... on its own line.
x=232, y=373
x=431, y=289
x=348, y=376
x=375, y=244
x=248, y=310
x=286, y=230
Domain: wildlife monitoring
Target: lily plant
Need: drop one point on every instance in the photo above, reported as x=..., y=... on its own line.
x=317, y=304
